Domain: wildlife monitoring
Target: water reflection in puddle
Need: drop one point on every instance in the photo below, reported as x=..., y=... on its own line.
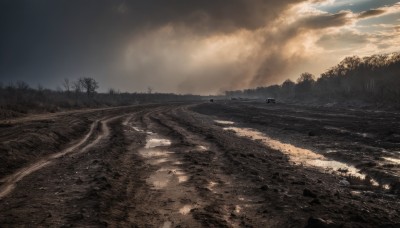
x=298, y=155
x=137, y=129
x=168, y=178
x=386, y=186
x=211, y=185
x=186, y=209
x=181, y=176
x=394, y=160
x=159, y=161
x=225, y=122
x=238, y=209
x=167, y=224
x=342, y=130
x=156, y=142
x=159, y=180
x=168, y=175
x=338, y=166
x=201, y=148
x=155, y=153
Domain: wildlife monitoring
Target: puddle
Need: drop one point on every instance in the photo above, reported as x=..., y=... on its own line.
x=211, y=185
x=201, y=148
x=168, y=178
x=168, y=175
x=386, y=186
x=181, y=176
x=137, y=129
x=299, y=155
x=394, y=160
x=159, y=161
x=155, y=153
x=167, y=224
x=128, y=124
x=159, y=180
x=337, y=166
x=156, y=142
x=238, y=209
x=186, y=209
x=328, y=151
x=357, y=193
x=224, y=122
x=342, y=130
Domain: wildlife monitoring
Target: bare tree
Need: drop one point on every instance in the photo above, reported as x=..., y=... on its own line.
x=67, y=85
x=112, y=91
x=11, y=86
x=89, y=84
x=40, y=88
x=21, y=85
x=76, y=86
x=149, y=90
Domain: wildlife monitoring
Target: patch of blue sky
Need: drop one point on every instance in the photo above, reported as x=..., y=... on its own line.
x=354, y=5
x=385, y=22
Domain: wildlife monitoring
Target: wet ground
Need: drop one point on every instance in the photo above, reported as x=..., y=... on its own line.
x=300, y=156
x=356, y=143
x=229, y=164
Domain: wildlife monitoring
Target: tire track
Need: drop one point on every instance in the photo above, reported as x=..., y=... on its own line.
x=202, y=161
x=157, y=185
x=226, y=181
x=214, y=182
x=9, y=182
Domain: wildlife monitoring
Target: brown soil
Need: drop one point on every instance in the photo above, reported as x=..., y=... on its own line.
x=65, y=173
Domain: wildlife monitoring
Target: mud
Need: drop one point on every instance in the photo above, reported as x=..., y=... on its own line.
x=301, y=156
x=367, y=141
x=173, y=165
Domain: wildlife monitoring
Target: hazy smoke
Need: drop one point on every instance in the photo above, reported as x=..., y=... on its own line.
x=186, y=46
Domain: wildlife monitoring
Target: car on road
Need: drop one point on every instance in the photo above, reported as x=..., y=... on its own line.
x=270, y=100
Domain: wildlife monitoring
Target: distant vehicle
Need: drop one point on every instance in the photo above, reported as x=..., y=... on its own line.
x=211, y=100
x=271, y=100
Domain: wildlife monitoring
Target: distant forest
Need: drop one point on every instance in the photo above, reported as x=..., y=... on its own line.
x=20, y=98
x=369, y=80
x=373, y=80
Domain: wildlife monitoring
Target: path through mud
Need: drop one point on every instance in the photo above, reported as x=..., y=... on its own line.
x=173, y=165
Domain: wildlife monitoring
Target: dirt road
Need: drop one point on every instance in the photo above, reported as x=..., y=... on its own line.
x=174, y=165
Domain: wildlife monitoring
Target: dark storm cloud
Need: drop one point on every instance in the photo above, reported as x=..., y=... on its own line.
x=216, y=15
x=45, y=40
x=371, y=13
x=172, y=45
x=326, y=20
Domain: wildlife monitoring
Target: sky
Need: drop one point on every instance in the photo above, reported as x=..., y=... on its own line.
x=188, y=46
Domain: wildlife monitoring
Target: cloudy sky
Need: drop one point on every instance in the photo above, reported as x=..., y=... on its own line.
x=188, y=46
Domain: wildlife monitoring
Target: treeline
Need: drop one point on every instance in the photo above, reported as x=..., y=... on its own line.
x=374, y=80
x=20, y=98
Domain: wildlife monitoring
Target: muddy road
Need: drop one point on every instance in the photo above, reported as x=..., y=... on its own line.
x=223, y=164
